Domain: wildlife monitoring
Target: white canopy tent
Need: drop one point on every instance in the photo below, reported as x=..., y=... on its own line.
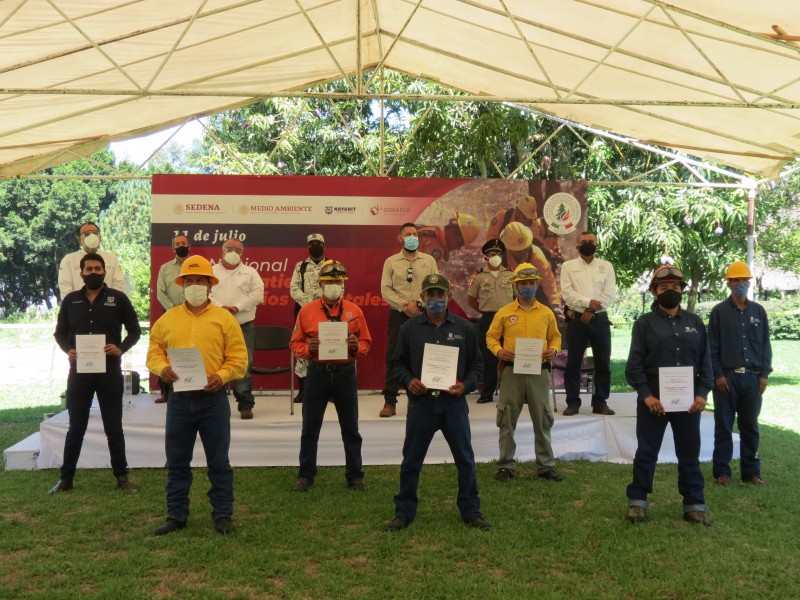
x=701, y=76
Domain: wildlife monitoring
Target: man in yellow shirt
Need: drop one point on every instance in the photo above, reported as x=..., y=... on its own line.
x=215, y=332
x=524, y=318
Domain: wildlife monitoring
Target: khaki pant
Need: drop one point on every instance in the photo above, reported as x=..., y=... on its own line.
x=515, y=391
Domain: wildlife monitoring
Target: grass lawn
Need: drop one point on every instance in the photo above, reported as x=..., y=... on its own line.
x=565, y=540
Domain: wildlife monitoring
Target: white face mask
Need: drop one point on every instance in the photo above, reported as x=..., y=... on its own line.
x=495, y=261
x=92, y=241
x=195, y=294
x=333, y=291
x=232, y=258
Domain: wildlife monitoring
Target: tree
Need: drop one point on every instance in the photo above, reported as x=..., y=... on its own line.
x=40, y=219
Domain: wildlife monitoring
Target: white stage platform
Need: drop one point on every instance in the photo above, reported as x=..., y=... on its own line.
x=272, y=438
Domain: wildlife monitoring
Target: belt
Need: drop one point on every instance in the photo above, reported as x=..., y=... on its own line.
x=193, y=394
x=318, y=366
x=741, y=370
x=545, y=365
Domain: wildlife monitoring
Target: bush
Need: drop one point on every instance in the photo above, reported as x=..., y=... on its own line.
x=784, y=326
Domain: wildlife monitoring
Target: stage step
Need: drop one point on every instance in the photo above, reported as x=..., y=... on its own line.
x=23, y=455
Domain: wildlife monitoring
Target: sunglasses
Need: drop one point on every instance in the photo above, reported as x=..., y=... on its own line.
x=668, y=273
x=409, y=275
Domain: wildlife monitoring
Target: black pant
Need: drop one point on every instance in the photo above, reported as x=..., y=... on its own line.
x=391, y=384
x=81, y=387
x=489, y=359
x=596, y=333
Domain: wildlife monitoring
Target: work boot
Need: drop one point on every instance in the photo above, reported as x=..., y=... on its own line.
x=696, y=517
x=246, y=413
x=302, y=485
x=223, y=525
x=169, y=526
x=388, y=410
x=571, y=409
x=62, y=485
x=637, y=514
x=397, y=524
x=125, y=485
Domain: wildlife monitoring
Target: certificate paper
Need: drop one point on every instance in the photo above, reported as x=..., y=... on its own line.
x=528, y=356
x=439, y=366
x=332, y=340
x=676, y=388
x=91, y=358
x=188, y=365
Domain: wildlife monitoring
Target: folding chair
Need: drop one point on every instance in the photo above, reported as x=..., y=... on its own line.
x=276, y=338
x=560, y=364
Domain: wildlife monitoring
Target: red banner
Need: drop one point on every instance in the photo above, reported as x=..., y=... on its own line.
x=360, y=220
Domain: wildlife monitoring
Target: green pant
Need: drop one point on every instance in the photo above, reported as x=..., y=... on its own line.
x=515, y=391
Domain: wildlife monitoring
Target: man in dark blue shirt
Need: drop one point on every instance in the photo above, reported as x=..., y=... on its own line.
x=668, y=337
x=95, y=309
x=431, y=410
x=741, y=357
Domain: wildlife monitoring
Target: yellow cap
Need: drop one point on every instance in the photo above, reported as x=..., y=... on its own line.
x=527, y=206
x=196, y=265
x=526, y=272
x=738, y=270
x=516, y=236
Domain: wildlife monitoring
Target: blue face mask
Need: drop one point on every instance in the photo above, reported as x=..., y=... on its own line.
x=436, y=307
x=411, y=243
x=740, y=290
x=527, y=293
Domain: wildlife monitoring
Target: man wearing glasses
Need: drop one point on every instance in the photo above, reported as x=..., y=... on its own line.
x=239, y=291
x=401, y=286
x=489, y=290
x=69, y=272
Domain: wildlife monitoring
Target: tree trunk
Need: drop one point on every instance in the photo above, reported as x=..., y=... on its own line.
x=693, y=290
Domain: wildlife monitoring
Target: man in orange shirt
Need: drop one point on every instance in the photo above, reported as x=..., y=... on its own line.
x=331, y=374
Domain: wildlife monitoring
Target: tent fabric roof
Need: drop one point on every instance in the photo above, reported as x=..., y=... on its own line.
x=695, y=75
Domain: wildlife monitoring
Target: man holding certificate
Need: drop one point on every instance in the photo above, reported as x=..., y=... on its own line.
x=669, y=366
x=89, y=330
x=530, y=339
x=197, y=348
x=331, y=333
x=438, y=361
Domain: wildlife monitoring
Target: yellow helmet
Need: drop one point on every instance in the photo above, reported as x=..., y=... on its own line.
x=528, y=207
x=332, y=270
x=738, y=270
x=526, y=272
x=470, y=227
x=516, y=236
x=196, y=265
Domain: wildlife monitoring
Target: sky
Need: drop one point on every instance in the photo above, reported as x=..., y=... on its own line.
x=139, y=149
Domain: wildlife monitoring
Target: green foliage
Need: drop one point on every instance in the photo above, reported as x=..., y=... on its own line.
x=126, y=229
x=40, y=217
x=778, y=224
x=637, y=226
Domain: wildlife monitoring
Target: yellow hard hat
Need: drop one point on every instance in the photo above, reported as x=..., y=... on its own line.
x=470, y=227
x=196, y=265
x=332, y=270
x=738, y=270
x=516, y=236
x=527, y=206
x=526, y=272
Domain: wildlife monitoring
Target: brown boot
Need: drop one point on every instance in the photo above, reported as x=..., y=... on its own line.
x=125, y=485
x=388, y=410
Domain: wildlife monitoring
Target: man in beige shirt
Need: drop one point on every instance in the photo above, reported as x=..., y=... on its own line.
x=401, y=286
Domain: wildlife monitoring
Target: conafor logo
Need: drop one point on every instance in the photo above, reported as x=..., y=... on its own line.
x=376, y=209
x=562, y=212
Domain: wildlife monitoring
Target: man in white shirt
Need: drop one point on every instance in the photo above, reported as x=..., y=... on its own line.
x=588, y=287
x=305, y=288
x=239, y=291
x=69, y=272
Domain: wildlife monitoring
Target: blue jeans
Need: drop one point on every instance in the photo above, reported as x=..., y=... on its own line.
x=426, y=416
x=81, y=388
x=649, y=435
x=243, y=388
x=210, y=416
x=743, y=399
x=339, y=385
x=596, y=333
x=489, y=359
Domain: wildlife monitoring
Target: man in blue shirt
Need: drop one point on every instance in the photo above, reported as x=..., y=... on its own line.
x=431, y=410
x=668, y=337
x=741, y=357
